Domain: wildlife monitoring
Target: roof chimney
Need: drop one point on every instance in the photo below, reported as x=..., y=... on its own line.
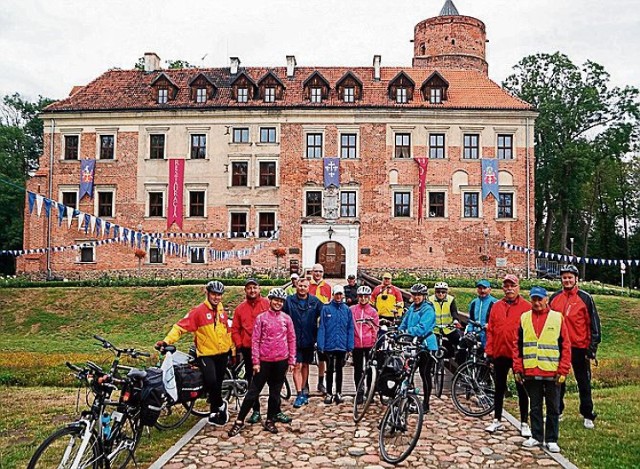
x=151, y=62
x=291, y=65
x=376, y=67
x=235, y=64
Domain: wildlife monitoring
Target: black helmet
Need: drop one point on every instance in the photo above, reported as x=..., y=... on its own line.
x=419, y=289
x=569, y=269
x=215, y=286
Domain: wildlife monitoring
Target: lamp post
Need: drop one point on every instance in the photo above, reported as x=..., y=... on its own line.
x=485, y=232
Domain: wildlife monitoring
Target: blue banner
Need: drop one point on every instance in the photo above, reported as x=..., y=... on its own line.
x=331, y=172
x=87, y=170
x=489, y=178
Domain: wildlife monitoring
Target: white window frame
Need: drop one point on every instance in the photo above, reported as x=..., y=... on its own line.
x=207, y=141
x=444, y=145
x=69, y=188
x=505, y=132
x=438, y=189
x=435, y=95
x=160, y=251
x=394, y=191
x=70, y=133
x=155, y=188
x=309, y=131
x=357, y=195
x=98, y=190
x=201, y=95
x=514, y=197
x=468, y=190
x=471, y=133
x=275, y=221
x=205, y=256
x=402, y=95
x=240, y=129
x=349, y=94
x=246, y=212
x=347, y=131
x=196, y=188
x=403, y=132
x=93, y=254
x=268, y=128
x=269, y=94
x=257, y=171
x=162, y=96
x=304, y=201
x=242, y=95
x=315, y=94
x=239, y=159
x=152, y=133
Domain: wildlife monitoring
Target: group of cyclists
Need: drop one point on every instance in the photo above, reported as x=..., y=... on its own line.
x=312, y=322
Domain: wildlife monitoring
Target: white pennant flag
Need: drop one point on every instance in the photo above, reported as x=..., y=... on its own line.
x=80, y=221
x=39, y=202
x=69, y=216
x=169, y=377
x=92, y=224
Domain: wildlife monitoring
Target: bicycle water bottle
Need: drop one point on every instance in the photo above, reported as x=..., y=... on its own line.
x=105, y=420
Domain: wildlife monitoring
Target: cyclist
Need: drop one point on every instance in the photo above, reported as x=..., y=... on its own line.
x=291, y=289
x=319, y=288
x=351, y=291
x=244, y=317
x=385, y=297
x=446, y=313
x=365, y=320
x=480, y=307
x=419, y=321
x=208, y=323
x=583, y=323
x=273, y=352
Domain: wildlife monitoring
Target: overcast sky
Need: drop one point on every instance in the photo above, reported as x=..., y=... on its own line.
x=48, y=46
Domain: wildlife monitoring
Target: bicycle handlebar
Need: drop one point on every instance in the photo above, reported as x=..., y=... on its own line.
x=133, y=353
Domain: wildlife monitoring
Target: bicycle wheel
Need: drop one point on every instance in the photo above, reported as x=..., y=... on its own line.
x=473, y=389
x=400, y=428
x=61, y=449
x=123, y=442
x=173, y=414
x=438, y=377
x=285, y=393
x=365, y=390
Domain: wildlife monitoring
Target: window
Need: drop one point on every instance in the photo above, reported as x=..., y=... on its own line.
x=267, y=174
x=243, y=95
x=436, y=146
x=436, y=204
x=314, y=145
x=471, y=208
x=239, y=224
x=403, y=146
x=505, y=147
x=156, y=204
x=197, y=255
x=163, y=95
x=201, y=95
x=402, y=204
x=196, y=203
x=270, y=95
x=239, y=171
x=105, y=204
x=155, y=256
x=401, y=95
x=267, y=135
x=471, y=143
x=313, y=204
x=156, y=147
x=316, y=95
x=241, y=135
x=70, y=199
x=198, y=147
x=87, y=254
x=348, y=204
x=266, y=224
x=435, y=95
x=348, y=145
x=106, y=147
x=505, y=205
x=349, y=94
x=71, y=147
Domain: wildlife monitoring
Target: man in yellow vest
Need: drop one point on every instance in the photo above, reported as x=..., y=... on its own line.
x=542, y=360
x=446, y=315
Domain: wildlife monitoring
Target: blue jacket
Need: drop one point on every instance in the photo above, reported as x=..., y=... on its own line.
x=479, y=310
x=304, y=314
x=336, y=328
x=419, y=322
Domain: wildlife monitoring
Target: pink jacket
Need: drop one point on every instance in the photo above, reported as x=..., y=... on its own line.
x=273, y=339
x=365, y=332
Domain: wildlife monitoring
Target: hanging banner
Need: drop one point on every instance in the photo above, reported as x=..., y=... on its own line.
x=423, y=163
x=87, y=170
x=176, y=182
x=489, y=178
x=331, y=172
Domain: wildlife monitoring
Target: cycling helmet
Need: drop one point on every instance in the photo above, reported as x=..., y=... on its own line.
x=569, y=269
x=215, y=286
x=419, y=289
x=441, y=286
x=278, y=293
x=363, y=290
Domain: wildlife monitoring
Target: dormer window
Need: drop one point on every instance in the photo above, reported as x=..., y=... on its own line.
x=243, y=88
x=270, y=87
x=435, y=95
x=243, y=95
x=349, y=87
x=316, y=88
x=201, y=95
x=435, y=88
x=201, y=88
x=349, y=94
x=164, y=89
x=401, y=95
x=163, y=95
x=401, y=88
x=316, y=95
x=270, y=95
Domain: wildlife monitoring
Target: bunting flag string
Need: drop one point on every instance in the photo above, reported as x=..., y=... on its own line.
x=568, y=259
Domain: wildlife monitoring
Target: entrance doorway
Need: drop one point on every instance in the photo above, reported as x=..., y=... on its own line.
x=332, y=257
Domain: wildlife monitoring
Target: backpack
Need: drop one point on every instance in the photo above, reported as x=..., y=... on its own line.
x=189, y=381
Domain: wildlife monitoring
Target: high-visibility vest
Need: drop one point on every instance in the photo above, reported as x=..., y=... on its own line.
x=443, y=313
x=541, y=352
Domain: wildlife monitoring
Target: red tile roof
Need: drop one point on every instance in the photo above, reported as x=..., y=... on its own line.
x=132, y=90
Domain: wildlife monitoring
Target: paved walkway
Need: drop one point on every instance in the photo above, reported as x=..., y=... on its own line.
x=323, y=436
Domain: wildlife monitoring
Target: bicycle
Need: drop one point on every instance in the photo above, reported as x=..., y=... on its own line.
x=440, y=356
x=473, y=387
x=235, y=385
x=99, y=438
x=402, y=421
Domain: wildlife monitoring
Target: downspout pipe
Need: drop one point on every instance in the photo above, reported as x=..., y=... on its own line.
x=50, y=196
x=528, y=192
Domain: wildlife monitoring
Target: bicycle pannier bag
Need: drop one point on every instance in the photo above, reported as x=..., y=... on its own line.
x=152, y=396
x=189, y=381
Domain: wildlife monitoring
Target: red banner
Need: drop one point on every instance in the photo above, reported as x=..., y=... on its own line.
x=176, y=183
x=422, y=182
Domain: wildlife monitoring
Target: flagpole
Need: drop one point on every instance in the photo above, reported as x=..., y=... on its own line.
x=50, y=195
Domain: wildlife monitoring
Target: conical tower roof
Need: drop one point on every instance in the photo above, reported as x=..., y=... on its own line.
x=449, y=9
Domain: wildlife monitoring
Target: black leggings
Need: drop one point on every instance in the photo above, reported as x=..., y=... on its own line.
x=426, y=363
x=335, y=363
x=359, y=360
x=501, y=367
x=273, y=374
x=248, y=371
x=213, y=367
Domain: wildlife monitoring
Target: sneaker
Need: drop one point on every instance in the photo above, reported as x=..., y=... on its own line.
x=321, y=389
x=328, y=399
x=589, y=424
x=525, y=430
x=338, y=399
x=553, y=447
x=495, y=426
x=270, y=426
x=255, y=417
x=283, y=418
x=299, y=402
x=530, y=443
x=235, y=429
x=221, y=417
x=560, y=418
x=306, y=399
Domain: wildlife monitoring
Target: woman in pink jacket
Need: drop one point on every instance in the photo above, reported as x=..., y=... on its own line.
x=365, y=319
x=273, y=351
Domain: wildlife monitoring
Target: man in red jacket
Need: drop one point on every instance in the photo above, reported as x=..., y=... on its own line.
x=502, y=332
x=244, y=317
x=583, y=324
x=542, y=361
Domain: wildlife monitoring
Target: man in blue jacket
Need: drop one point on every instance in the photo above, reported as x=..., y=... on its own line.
x=335, y=338
x=480, y=308
x=419, y=321
x=304, y=310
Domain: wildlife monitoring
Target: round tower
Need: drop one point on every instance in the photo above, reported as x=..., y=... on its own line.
x=450, y=41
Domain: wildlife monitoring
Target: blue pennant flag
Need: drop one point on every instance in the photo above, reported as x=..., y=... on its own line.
x=489, y=178
x=87, y=170
x=47, y=206
x=331, y=172
x=87, y=220
x=61, y=210
x=32, y=201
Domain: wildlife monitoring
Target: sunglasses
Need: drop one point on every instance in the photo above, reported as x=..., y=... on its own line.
x=441, y=291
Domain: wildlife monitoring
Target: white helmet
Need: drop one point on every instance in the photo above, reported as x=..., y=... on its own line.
x=363, y=290
x=441, y=286
x=278, y=293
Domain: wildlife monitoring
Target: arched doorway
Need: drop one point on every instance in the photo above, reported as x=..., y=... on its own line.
x=332, y=257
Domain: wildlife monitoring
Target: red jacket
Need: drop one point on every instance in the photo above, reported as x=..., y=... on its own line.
x=564, y=365
x=581, y=317
x=244, y=318
x=503, y=325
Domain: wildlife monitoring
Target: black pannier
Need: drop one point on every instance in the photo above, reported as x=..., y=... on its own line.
x=391, y=375
x=152, y=397
x=189, y=382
